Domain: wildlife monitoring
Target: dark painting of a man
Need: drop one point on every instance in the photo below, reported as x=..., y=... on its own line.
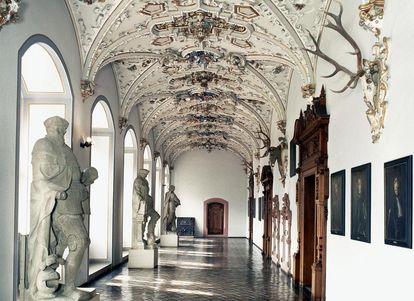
x=398, y=199
x=361, y=203
x=338, y=203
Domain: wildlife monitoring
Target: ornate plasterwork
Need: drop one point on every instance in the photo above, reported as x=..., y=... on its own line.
x=208, y=69
x=375, y=85
x=371, y=16
x=8, y=11
x=198, y=25
x=87, y=88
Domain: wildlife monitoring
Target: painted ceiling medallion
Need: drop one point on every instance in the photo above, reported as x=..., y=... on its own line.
x=202, y=78
x=205, y=96
x=153, y=8
x=211, y=118
x=209, y=144
x=8, y=11
x=371, y=16
x=195, y=134
x=247, y=12
x=199, y=25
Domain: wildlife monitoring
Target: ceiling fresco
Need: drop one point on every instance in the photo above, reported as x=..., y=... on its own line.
x=203, y=73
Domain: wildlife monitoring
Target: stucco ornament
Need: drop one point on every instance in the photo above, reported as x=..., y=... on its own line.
x=371, y=16
x=171, y=202
x=375, y=87
x=87, y=88
x=59, y=200
x=8, y=11
x=142, y=209
x=91, y=1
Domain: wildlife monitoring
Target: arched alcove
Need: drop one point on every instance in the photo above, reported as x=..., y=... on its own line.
x=216, y=218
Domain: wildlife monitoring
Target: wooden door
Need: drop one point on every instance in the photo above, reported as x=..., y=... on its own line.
x=251, y=206
x=267, y=182
x=215, y=221
x=311, y=135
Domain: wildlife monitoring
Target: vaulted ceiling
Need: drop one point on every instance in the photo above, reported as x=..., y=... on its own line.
x=203, y=73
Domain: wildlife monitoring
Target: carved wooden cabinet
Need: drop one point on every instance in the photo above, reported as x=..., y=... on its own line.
x=185, y=226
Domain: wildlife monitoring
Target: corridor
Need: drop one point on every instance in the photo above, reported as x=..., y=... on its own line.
x=202, y=269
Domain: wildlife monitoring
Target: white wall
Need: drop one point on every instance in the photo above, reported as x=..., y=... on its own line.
x=356, y=270
x=374, y=271
x=199, y=176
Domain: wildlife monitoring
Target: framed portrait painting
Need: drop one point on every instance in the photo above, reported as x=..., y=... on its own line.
x=398, y=202
x=338, y=203
x=361, y=203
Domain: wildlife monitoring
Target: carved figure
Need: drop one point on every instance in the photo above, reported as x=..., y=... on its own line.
x=286, y=218
x=171, y=202
x=154, y=217
x=276, y=230
x=143, y=208
x=139, y=196
x=59, y=201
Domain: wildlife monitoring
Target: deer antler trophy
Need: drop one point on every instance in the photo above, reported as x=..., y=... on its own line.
x=374, y=72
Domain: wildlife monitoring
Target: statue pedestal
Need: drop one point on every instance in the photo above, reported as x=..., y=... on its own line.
x=92, y=291
x=94, y=296
x=169, y=240
x=143, y=258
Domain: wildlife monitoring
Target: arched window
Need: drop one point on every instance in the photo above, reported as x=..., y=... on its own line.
x=158, y=198
x=44, y=92
x=148, y=165
x=130, y=173
x=166, y=177
x=101, y=195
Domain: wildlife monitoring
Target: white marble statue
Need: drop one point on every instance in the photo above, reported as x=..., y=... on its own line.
x=139, y=196
x=59, y=200
x=171, y=202
x=143, y=208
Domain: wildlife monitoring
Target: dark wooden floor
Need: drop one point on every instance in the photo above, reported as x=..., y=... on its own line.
x=202, y=269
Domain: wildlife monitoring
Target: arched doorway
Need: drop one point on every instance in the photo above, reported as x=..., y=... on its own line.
x=216, y=217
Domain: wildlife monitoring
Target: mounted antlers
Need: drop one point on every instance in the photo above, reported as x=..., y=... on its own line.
x=338, y=27
x=265, y=139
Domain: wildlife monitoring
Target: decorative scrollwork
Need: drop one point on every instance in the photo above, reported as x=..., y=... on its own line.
x=8, y=11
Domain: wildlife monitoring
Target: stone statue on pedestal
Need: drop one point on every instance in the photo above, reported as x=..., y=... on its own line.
x=59, y=200
x=171, y=202
x=143, y=208
x=139, y=196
